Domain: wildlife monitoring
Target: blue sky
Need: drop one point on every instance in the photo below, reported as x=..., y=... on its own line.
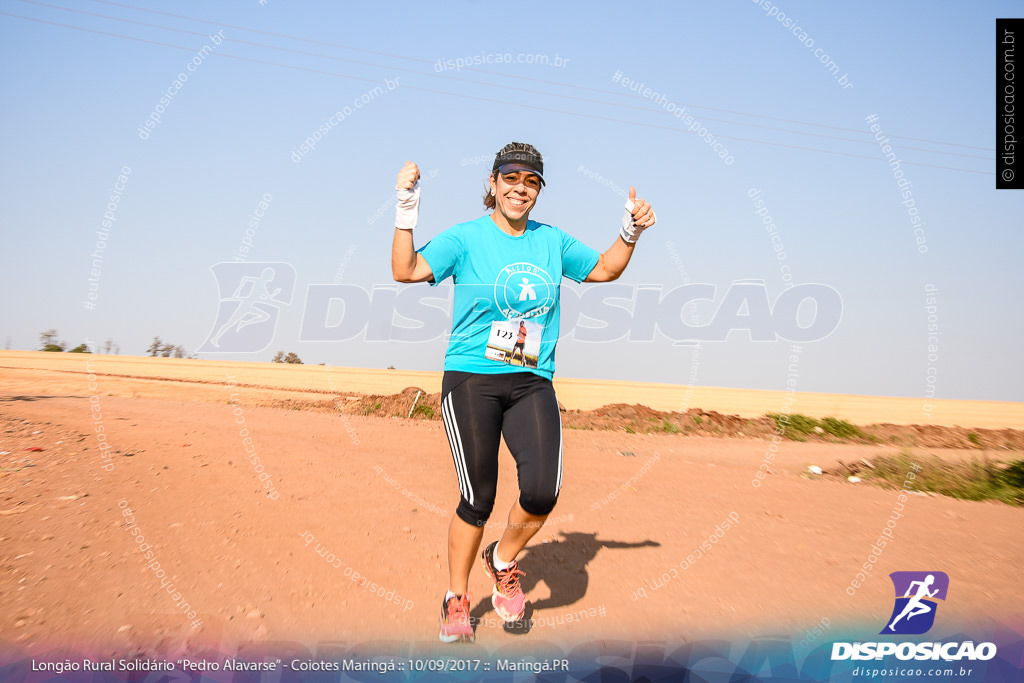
x=75, y=100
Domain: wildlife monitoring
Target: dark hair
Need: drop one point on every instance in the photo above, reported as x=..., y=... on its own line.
x=489, y=202
x=518, y=151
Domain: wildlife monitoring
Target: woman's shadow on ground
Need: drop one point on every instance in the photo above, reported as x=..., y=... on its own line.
x=562, y=565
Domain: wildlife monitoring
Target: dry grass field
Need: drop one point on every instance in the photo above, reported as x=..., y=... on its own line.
x=64, y=373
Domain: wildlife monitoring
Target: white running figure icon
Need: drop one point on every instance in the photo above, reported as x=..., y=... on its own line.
x=915, y=606
x=257, y=293
x=526, y=292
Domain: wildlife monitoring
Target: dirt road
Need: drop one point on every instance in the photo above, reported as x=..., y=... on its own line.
x=175, y=537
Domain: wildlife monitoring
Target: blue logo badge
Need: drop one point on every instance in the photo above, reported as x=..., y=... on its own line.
x=917, y=594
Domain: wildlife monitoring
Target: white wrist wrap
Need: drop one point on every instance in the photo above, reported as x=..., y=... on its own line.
x=630, y=231
x=407, y=209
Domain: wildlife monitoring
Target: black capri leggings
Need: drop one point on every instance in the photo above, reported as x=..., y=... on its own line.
x=477, y=411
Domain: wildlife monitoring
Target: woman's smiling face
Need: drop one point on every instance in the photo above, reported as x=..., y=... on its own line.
x=515, y=194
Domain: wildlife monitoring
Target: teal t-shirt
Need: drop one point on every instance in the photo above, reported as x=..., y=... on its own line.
x=505, y=315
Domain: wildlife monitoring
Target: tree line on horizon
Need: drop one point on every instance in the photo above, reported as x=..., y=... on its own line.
x=49, y=341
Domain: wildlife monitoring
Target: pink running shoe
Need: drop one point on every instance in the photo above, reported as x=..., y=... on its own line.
x=507, y=598
x=455, y=624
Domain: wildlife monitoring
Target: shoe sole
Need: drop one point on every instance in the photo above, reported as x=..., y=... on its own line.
x=455, y=639
x=506, y=616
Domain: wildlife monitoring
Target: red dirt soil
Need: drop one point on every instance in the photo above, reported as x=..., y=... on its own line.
x=374, y=495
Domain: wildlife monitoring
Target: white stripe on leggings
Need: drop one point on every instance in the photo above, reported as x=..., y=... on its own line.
x=458, y=454
x=558, y=484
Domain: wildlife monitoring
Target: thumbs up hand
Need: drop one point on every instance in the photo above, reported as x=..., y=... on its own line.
x=638, y=217
x=407, y=209
x=408, y=176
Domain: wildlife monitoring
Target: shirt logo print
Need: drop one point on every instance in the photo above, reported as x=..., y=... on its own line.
x=526, y=292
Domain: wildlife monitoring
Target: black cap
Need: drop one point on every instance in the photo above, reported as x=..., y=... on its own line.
x=519, y=156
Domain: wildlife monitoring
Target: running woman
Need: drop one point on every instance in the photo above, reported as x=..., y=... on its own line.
x=520, y=344
x=506, y=267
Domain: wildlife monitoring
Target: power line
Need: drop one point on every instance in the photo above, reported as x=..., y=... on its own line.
x=478, y=98
x=559, y=84
x=644, y=109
